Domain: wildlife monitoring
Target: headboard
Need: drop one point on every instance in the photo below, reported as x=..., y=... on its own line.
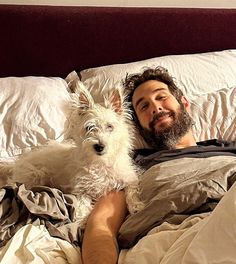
x=52, y=40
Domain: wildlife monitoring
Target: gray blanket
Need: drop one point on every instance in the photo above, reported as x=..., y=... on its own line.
x=171, y=191
x=41, y=205
x=175, y=189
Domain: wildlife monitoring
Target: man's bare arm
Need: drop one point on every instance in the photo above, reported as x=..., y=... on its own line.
x=99, y=243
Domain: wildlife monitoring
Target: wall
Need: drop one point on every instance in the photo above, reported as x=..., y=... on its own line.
x=150, y=3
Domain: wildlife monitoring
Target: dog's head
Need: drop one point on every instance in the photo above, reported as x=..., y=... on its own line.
x=101, y=131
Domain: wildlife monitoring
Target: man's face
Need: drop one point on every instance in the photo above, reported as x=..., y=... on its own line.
x=163, y=120
x=154, y=105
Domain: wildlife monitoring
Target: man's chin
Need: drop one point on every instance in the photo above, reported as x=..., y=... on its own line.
x=159, y=128
x=167, y=132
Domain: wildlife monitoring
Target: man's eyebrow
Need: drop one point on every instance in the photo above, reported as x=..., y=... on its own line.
x=142, y=98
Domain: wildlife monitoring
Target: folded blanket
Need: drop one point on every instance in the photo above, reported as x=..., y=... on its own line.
x=39, y=206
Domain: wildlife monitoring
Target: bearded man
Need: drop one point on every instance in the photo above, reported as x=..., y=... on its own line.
x=160, y=110
x=161, y=114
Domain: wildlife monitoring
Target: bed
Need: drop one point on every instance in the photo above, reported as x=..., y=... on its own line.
x=44, y=49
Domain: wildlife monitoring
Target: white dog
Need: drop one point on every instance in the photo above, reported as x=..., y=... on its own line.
x=96, y=161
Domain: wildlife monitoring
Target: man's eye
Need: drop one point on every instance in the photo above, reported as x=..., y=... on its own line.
x=143, y=107
x=161, y=97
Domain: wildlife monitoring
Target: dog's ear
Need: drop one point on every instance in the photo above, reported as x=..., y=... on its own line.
x=83, y=98
x=115, y=100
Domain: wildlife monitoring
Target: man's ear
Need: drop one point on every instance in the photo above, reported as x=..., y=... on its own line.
x=186, y=103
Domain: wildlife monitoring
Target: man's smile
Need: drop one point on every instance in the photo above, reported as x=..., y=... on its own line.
x=161, y=118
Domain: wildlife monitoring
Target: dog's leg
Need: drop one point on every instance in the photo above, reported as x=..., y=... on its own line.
x=83, y=208
x=133, y=200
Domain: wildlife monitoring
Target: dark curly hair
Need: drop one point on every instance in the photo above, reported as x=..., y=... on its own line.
x=159, y=73
x=169, y=137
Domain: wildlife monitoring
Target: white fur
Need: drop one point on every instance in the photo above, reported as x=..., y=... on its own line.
x=96, y=160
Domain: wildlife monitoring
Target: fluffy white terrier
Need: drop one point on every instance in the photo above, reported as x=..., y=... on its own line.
x=95, y=162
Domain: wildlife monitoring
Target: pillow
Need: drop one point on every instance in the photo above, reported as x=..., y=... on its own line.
x=214, y=115
x=194, y=73
x=33, y=110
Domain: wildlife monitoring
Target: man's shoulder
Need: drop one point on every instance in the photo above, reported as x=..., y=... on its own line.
x=207, y=144
x=217, y=143
x=148, y=157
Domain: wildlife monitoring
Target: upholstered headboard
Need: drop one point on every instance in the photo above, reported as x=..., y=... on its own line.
x=52, y=41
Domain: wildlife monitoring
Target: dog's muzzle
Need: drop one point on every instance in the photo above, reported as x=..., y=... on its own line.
x=99, y=148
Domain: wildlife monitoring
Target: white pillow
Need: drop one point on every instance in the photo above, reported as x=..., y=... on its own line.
x=194, y=73
x=33, y=110
x=215, y=115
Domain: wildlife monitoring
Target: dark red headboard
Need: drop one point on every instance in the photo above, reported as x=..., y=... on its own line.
x=52, y=41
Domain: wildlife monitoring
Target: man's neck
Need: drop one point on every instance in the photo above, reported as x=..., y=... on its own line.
x=186, y=141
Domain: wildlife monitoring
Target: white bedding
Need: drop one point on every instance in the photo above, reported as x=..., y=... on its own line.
x=34, y=110
x=202, y=239
x=208, y=80
x=33, y=244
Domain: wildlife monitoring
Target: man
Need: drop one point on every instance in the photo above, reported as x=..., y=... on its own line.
x=161, y=113
x=160, y=110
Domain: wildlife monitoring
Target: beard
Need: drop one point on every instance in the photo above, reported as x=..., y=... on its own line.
x=168, y=136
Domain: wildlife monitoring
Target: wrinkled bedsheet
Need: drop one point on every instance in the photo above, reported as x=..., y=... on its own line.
x=199, y=239
x=39, y=206
x=33, y=244
x=177, y=189
x=189, y=217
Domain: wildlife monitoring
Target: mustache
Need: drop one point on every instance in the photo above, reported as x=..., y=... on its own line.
x=159, y=115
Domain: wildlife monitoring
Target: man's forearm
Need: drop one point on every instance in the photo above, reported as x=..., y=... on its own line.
x=102, y=248
x=99, y=242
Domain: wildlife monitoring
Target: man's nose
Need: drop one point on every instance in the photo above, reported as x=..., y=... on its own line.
x=156, y=108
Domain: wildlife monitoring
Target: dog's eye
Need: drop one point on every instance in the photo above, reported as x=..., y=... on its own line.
x=110, y=127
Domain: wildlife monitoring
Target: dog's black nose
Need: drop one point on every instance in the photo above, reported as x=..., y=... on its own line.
x=99, y=147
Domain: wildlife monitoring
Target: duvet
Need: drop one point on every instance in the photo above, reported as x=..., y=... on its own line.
x=189, y=217
x=176, y=189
